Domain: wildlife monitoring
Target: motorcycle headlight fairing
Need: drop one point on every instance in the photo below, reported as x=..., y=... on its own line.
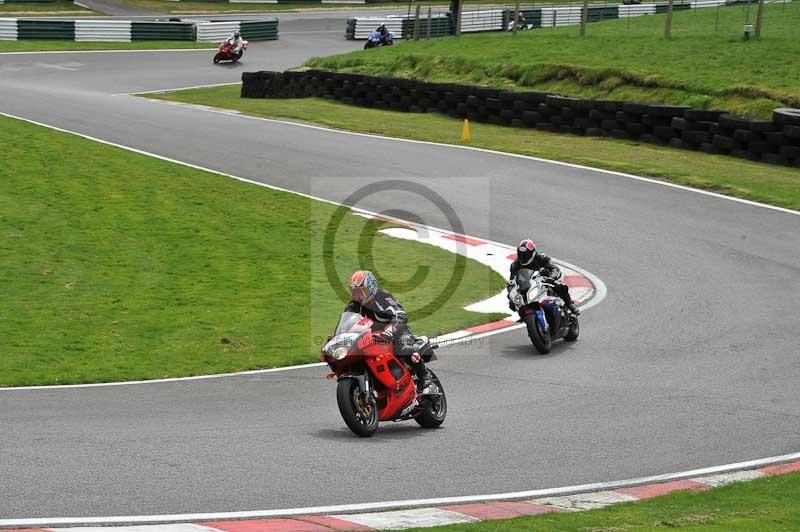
x=339, y=352
x=340, y=345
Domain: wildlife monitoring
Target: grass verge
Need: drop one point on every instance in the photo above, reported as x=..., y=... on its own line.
x=775, y=185
x=119, y=266
x=69, y=46
x=58, y=7
x=706, y=64
x=765, y=504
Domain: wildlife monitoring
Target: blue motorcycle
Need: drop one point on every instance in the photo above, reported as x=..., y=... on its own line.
x=545, y=315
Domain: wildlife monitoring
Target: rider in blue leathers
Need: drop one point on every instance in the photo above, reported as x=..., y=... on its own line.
x=380, y=36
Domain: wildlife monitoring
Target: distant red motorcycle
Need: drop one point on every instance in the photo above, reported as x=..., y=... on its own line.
x=373, y=384
x=226, y=52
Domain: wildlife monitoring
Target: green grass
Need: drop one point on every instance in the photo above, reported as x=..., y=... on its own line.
x=744, y=179
x=619, y=59
x=65, y=46
x=766, y=504
x=57, y=7
x=119, y=266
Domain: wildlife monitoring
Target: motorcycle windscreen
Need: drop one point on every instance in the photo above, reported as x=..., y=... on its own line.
x=349, y=322
x=524, y=277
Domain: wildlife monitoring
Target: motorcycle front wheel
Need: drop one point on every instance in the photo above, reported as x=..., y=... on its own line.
x=218, y=57
x=573, y=331
x=435, y=408
x=539, y=338
x=359, y=416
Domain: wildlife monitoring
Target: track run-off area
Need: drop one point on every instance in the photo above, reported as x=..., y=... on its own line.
x=689, y=362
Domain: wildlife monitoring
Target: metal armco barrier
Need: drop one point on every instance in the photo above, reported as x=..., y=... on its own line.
x=124, y=30
x=774, y=141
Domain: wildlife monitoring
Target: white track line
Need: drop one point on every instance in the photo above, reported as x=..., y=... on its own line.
x=599, y=285
x=110, y=51
x=157, y=381
x=389, y=505
x=178, y=89
x=485, y=150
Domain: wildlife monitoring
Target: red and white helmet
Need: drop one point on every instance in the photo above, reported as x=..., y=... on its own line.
x=526, y=251
x=363, y=286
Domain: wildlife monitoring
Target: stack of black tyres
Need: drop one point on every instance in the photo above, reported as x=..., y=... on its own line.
x=350, y=29
x=711, y=131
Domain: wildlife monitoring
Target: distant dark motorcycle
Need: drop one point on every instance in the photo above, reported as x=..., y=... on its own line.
x=226, y=52
x=546, y=316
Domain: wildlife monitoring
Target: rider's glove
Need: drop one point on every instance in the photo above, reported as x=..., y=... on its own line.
x=385, y=336
x=512, y=306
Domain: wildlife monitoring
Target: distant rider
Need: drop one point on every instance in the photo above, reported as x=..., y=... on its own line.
x=235, y=40
x=519, y=22
x=382, y=308
x=381, y=36
x=529, y=258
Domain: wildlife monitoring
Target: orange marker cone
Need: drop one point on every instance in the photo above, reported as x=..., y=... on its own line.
x=465, y=134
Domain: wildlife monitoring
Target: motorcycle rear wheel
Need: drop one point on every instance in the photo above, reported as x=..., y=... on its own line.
x=540, y=339
x=359, y=417
x=435, y=409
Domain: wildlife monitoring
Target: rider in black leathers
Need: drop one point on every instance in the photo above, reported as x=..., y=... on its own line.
x=528, y=257
x=382, y=308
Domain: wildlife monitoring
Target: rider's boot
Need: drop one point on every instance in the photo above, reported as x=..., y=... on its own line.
x=424, y=384
x=423, y=377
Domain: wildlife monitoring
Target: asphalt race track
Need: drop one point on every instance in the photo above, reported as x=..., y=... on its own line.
x=690, y=361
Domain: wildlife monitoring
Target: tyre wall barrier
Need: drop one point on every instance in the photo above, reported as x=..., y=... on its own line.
x=775, y=141
x=216, y=31
x=278, y=1
x=256, y=30
x=46, y=29
x=359, y=28
x=498, y=19
x=8, y=29
x=162, y=31
x=260, y=30
x=103, y=30
x=344, y=2
x=125, y=31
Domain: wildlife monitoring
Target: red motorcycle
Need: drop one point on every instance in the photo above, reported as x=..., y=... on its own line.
x=373, y=384
x=226, y=52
